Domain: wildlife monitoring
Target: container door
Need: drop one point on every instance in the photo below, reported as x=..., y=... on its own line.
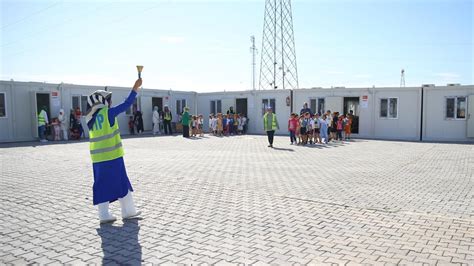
x=146, y=108
x=34, y=114
x=470, y=116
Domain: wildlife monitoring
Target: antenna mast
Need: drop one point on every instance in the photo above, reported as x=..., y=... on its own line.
x=278, y=69
x=402, y=78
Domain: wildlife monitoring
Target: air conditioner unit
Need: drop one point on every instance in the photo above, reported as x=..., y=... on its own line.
x=453, y=84
x=428, y=85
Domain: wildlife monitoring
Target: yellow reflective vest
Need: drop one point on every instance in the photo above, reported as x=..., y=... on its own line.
x=274, y=122
x=105, y=142
x=41, y=119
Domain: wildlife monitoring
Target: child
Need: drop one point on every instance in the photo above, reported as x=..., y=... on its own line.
x=347, y=126
x=194, y=126
x=298, y=128
x=131, y=126
x=224, y=125
x=316, y=130
x=240, y=127
x=111, y=182
x=304, y=128
x=57, y=129
x=236, y=124
x=201, y=125
x=324, y=128
x=309, y=128
x=211, y=117
x=214, y=125
x=219, y=124
x=292, y=126
x=339, y=128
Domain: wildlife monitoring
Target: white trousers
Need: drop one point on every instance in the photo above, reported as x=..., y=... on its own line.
x=64, y=134
x=126, y=204
x=156, y=128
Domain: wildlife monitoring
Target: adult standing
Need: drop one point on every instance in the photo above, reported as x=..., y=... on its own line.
x=270, y=124
x=42, y=122
x=138, y=118
x=167, y=117
x=185, y=122
x=63, y=123
x=77, y=119
x=305, y=110
x=230, y=111
x=156, y=120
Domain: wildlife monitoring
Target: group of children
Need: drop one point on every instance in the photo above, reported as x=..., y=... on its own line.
x=307, y=128
x=225, y=125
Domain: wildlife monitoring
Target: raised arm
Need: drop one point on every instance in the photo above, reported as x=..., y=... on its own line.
x=115, y=111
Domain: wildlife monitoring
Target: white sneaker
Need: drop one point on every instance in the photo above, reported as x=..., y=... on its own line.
x=109, y=219
x=132, y=216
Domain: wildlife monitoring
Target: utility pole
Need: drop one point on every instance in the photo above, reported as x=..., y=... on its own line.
x=254, y=51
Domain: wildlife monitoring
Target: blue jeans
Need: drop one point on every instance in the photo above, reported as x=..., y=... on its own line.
x=292, y=136
x=41, y=130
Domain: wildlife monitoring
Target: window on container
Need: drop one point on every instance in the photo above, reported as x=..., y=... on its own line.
x=264, y=106
x=321, y=106
x=450, y=105
x=313, y=105
x=178, y=107
x=461, y=108
x=83, y=105
x=219, y=106
x=393, y=108
x=3, y=105
x=76, y=102
x=383, y=108
x=268, y=103
x=183, y=104
x=273, y=105
x=213, y=107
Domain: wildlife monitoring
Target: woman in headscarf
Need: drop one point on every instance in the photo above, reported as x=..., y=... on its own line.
x=63, y=123
x=156, y=120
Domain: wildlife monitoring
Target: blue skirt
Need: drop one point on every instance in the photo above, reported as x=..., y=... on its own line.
x=110, y=181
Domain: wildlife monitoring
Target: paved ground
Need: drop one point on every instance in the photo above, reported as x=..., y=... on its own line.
x=233, y=200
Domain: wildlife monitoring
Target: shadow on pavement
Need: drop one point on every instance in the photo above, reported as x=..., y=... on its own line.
x=120, y=243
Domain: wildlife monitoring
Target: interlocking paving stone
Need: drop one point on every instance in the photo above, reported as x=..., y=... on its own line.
x=235, y=201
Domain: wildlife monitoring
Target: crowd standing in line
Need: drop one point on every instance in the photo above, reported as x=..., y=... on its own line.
x=219, y=124
x=308, y=128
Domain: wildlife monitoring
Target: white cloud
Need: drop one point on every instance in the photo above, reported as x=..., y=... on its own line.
x=172, y=39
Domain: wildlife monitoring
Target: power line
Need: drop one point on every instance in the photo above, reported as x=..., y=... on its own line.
x=31, y=15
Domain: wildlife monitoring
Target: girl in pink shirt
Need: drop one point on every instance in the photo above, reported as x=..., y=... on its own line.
x=292, y=126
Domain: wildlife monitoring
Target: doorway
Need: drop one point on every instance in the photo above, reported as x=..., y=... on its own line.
x=351, y=106
x=241, y=106
x=42, y=100
x=157, y=101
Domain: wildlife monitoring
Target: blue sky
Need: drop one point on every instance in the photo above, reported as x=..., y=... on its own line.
x=204, y=45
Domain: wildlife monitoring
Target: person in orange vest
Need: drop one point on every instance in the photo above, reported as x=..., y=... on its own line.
x=111, y=182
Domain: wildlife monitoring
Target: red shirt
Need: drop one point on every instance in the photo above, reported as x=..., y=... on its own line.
x=292, y=124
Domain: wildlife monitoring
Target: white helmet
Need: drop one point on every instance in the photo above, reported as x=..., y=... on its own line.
x=96, y=101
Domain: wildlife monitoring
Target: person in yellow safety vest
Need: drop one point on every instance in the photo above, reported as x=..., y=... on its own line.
x=42, y=122
x=270, y=124
x=167, y=117
x=111, y=182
